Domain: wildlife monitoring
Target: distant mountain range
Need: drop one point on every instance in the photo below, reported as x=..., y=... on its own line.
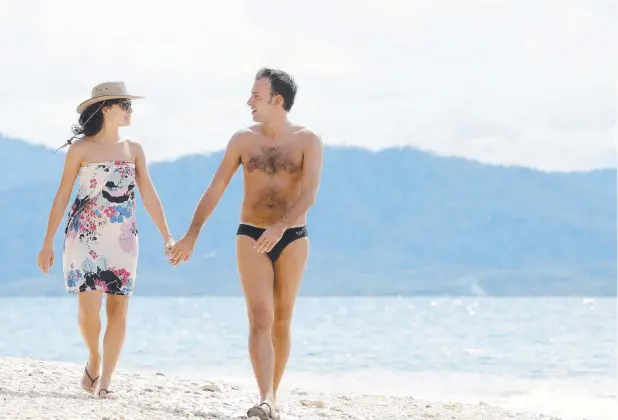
x=398, y=221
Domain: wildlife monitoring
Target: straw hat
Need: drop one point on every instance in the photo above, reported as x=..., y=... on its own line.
x=108, y=90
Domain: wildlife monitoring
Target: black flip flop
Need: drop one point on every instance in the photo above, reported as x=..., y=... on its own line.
x=92, y=381
x=106, y=393
x=258, y=411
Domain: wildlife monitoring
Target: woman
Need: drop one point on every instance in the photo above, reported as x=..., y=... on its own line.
x=101, y=236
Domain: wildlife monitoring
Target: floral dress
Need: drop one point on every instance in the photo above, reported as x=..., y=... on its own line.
x=101, y=237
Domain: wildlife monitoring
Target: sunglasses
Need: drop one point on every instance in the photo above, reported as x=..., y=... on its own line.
x=125, y=104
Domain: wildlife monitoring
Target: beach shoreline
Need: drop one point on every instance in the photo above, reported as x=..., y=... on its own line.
x=35, y=389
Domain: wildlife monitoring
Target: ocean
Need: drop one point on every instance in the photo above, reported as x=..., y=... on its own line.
x=552, y=355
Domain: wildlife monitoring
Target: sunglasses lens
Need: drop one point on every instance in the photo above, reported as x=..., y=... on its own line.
x=125, y=105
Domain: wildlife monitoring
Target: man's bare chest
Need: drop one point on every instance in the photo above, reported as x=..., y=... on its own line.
x=273, y=160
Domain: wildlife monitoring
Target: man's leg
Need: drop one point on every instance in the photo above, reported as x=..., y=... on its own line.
x=257, y=278
x=289, y=269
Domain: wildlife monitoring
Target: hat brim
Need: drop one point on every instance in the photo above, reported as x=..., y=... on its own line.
x=81, y=107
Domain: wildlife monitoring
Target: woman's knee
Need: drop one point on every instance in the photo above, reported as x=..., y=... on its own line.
x=88, y=315
x=116, y=308
x=89, y=307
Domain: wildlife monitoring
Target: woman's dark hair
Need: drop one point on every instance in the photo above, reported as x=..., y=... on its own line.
x=90, y=121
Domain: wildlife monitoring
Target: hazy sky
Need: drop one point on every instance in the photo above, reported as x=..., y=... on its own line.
x=528, y=82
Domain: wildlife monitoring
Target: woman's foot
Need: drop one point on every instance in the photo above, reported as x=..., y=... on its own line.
x=90, y=376
x=264, y=411
x=104, y=388
x=106, y=394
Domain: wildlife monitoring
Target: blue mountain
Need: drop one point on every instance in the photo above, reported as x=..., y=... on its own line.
x=397, y=221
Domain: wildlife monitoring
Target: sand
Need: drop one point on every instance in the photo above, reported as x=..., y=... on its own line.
x=32, y=389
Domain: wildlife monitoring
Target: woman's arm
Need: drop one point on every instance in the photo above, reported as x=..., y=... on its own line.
x=72, y=164
x=72, y=161
x=152, y=203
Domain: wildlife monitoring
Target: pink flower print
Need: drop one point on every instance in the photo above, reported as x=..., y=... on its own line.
x=122, y=274
x=110, y=211
x=128, y=241
x=93, y=254
x=93, y=183
x=100, y=285
x=90, y=226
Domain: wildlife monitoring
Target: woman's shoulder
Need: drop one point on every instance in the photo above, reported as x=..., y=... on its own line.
x=134, y=144
x=78, y=147
x=79, y=143
x=135, y=149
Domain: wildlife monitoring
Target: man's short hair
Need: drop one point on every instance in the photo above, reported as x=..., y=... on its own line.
x=281, y=83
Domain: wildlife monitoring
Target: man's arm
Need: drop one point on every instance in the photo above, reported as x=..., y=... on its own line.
x=226, y=170
x=312, y=174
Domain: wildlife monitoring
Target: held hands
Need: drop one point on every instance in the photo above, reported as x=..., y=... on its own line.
x=182, y=250
x=45, y=259
x=169, y=244
x=269, y=238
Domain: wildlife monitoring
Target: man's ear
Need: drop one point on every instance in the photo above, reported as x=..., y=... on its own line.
x=279, y=100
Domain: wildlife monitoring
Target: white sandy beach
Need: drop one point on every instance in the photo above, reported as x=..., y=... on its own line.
x=32, y=389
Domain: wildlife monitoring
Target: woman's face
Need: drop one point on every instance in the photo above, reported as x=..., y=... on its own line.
x=119, y=114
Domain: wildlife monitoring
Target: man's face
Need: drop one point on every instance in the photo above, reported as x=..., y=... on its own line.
x=260, y=101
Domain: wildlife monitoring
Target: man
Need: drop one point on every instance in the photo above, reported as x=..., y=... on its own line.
x=282, y=166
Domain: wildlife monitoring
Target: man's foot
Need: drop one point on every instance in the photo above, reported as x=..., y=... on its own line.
x=88, y=382
x=263, y=411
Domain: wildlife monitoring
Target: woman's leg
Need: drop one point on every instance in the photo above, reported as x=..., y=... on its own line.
x=89, y=320
x=113, y=341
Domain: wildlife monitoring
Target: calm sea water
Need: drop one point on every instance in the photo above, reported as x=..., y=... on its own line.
x=552, y=355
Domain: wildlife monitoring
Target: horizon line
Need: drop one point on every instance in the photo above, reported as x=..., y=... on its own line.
x=374, y=150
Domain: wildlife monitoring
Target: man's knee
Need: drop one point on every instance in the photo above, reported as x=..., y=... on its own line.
x=283, y=318
x=282, y=326
x=260, y=318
